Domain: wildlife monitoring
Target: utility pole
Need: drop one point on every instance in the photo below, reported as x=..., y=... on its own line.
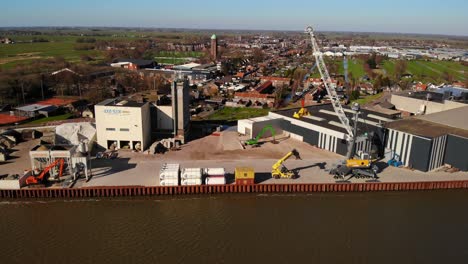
x=22, y=92
x=79, y=89
x=42, y=86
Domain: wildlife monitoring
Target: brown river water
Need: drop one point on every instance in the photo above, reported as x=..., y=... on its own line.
x=394, y=227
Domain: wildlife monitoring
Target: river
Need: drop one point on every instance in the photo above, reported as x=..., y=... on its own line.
x=393, y=227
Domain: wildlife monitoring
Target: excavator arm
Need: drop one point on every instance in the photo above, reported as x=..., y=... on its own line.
x=265, y=129
x=34, y=180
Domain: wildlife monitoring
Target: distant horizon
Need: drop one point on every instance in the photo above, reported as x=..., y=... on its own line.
x=435, y=17
x=234, y=29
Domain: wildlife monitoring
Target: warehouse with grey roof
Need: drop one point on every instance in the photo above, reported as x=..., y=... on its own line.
x=428, y=142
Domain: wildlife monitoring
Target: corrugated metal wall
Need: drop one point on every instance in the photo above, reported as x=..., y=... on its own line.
x=420, y=153
x=437, y=152
x=426, y=154
x=327, y=142
x=456, y=152
x=400, y=143
x=323, y=140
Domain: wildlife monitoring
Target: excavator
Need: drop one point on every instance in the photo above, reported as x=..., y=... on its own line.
x=279, y=171
x=41, y=177
x=358, y=166
x=254, y=141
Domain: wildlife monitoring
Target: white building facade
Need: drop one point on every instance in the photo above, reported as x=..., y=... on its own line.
x=124, y=124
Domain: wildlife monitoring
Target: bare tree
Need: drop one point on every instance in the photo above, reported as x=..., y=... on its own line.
x=400, y=69
x=258, y=55
x=447, y=76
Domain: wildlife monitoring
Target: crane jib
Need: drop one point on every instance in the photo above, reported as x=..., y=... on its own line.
x=329, y=85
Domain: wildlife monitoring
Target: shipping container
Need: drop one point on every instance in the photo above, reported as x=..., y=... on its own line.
x=191, y=173
x=169, y=171
x=169, y=182
x=192, y=182
x=214, y=171
x=245, y=181
x=215, y=181
x=169, y=174
x=243, y=173
x=170, y=166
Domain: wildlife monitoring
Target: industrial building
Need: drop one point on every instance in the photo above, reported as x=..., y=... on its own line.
x=323, y=128
x=424, y=143
x=75, y=161
x=126, y=124
x=173, y=119
x=425, y=102
x=123, y=124
x=428, y=142
x=34, y=110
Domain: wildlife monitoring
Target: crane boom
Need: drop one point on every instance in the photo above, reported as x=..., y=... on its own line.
x=328, y=84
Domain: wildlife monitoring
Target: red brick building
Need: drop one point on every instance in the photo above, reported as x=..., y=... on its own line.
x=276, y=81
x=256, y=98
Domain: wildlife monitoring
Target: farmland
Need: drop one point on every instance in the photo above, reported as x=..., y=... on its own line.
x=424, y=71
x=58, y=46
x=25, y=50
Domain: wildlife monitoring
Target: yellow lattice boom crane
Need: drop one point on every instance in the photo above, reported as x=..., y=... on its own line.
x=360, y=167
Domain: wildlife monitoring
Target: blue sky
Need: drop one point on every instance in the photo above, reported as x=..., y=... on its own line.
x=405, y=16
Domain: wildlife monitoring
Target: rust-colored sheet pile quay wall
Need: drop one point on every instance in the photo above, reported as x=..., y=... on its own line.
x=129, y=191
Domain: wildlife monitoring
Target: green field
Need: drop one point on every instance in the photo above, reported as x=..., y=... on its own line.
x=175, y=61
x=389, y=68
x=367, y=99
x=430, y=71
x=180, y=54
x=63, y=46
x=51, y=118
x=12, y=54
x=356, y=68
x=235, y=113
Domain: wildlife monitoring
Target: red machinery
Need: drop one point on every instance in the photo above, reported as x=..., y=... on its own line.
x=38, y=179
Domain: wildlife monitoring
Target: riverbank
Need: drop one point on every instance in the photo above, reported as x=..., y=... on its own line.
x=132, y=191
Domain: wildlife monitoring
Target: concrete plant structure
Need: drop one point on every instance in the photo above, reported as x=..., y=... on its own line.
x=123, y=124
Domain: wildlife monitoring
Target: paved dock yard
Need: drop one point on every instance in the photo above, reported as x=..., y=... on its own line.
x=142, y=169
x=146, y=173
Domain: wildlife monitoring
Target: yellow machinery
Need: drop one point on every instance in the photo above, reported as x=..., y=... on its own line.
x=302, y=112
x=361, y=166
x=358, y=163
x=279, y=171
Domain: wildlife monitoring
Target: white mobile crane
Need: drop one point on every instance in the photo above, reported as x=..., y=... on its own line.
x=361, y=167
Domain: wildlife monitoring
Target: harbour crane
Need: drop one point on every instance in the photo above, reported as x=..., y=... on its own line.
x=359, y=167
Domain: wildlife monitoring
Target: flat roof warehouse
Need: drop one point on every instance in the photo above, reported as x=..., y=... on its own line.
x=435, y=125
x=324, y=116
